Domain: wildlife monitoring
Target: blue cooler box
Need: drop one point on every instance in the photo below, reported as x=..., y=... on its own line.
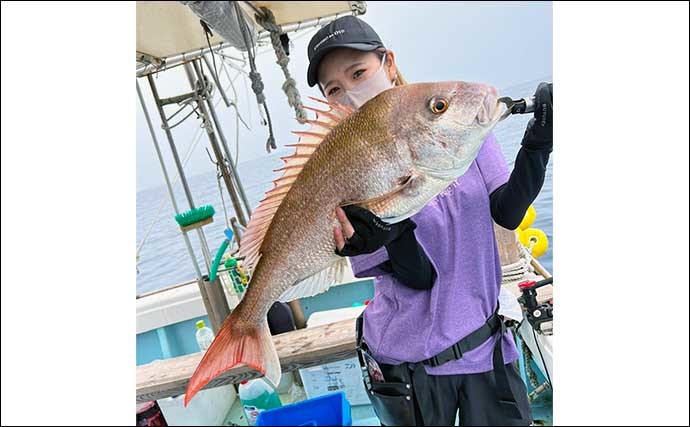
x=329, y=410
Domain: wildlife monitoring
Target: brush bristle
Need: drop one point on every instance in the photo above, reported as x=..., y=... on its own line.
x=195, y=215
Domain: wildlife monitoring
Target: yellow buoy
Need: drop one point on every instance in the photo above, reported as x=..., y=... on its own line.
x=536, y=239
x=529, y=218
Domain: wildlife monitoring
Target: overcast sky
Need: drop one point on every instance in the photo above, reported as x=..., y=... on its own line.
x=501, y=43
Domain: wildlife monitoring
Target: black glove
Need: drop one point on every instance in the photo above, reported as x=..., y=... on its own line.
x=371, y=233
x=539, y=132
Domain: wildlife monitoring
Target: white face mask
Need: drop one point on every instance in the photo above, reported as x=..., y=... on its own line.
x=363, y=92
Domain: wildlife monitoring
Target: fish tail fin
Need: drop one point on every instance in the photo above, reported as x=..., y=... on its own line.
x=237, y=343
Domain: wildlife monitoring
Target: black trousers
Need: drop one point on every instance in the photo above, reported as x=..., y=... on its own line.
x=437, y=398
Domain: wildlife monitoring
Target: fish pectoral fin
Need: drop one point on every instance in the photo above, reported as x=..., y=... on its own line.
x=404, y=182
x=316, y=283
x=399, y=218
x=234, y=344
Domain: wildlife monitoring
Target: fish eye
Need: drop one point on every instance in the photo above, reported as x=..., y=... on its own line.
x=438, y=105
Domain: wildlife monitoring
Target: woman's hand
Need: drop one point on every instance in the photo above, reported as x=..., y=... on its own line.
x=345, y=231
x=362, y=232
x=539, y=132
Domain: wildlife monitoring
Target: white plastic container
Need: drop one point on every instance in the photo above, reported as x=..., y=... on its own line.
x=257, y=396
x=204, y=335
x=209, y=407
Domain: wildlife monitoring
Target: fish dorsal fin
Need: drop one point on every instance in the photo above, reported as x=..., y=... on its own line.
x=308, y=142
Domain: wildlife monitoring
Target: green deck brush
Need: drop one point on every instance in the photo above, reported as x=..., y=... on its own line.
x=195, y=215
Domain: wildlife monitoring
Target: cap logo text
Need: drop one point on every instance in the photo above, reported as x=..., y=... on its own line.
x=323, y=40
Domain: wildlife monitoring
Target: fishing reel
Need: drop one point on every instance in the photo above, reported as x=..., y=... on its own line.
x=540, y=316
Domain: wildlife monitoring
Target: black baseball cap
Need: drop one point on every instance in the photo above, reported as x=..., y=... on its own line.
x=348, y=31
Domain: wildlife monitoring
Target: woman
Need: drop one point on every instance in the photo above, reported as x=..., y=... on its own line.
x=432, y=328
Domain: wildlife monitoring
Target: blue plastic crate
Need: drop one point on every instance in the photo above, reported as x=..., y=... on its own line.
x=329, y=410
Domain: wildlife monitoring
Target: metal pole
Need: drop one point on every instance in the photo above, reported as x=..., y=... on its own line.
x=236, y=229
x=180, y=169
x=231, y=164
x=204, y=248
x=221, y=309
x=208, y=125
x=190, y=250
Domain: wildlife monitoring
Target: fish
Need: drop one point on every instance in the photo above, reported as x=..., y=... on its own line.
x=392, y=156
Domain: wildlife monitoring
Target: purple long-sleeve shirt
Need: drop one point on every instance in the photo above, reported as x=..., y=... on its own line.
x=456, y=231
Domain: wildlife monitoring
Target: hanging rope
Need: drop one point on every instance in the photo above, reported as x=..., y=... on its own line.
x=254, y=76
x=268, y=21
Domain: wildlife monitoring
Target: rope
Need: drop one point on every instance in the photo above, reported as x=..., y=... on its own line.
x=257, y=86
x=267, y=20
x=521, y=269
x=204, y=91
x=518, y=270
x=358, y=7
x=255, y=77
